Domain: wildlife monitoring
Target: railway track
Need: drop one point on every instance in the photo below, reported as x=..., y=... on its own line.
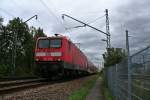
x=15, y=85
x=53, y=90
x=11, y=86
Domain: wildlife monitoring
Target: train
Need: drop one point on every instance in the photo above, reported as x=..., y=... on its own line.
x=59, y=56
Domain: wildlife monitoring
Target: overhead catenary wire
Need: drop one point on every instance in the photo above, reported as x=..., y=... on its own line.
x=136, y=37
x=40, y=22
x=65, y=15
x=8, y=13
x=67, y=29
x=19, y=6
x=50, y=12
x=145, y=41
x=96, y=19
x=80, y=26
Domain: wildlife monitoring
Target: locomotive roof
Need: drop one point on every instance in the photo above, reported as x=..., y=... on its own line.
x=54, y=37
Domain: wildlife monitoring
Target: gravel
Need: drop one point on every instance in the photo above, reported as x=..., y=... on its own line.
x=57, y=91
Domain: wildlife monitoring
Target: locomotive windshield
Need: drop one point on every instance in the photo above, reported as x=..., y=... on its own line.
x=43, y=43
x=49, y=43
x=55, y=43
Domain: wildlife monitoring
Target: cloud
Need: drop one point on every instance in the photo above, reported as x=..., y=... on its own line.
x=132, y=15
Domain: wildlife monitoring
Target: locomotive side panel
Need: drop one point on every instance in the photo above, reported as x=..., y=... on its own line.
x=54, y=55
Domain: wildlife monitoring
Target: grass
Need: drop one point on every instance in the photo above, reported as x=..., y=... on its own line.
x=106, y=92
x=83, y=91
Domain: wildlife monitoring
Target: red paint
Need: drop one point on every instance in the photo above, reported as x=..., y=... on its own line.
x=70, y=54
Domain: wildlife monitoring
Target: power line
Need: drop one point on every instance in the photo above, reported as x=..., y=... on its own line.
x=15, y=3
x=19, y=6
x=65, y=15
x=137, y=38
x=40, y=22
x=51, y=13
x=8, y=13
x=80, y=26
x=96, y=19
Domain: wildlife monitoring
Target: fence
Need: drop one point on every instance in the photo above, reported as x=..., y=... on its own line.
x=118, y=82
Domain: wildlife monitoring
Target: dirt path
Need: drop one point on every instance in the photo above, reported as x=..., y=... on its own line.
x=96, y=92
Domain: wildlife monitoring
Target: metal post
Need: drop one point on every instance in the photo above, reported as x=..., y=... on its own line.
x=129, y=66
x=116, y=86
x=143, y=57
x=107, y=29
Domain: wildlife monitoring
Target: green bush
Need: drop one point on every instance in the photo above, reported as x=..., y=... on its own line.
x=23, y=71
x=20, y=71
x=5, y=70
x=83, y=91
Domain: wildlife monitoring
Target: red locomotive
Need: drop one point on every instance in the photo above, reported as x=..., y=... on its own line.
x=57, y=55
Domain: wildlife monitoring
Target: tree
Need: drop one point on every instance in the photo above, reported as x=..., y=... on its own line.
x=4, y=49
x=39, y=33
x=113, y=56
x=17, y=34
x=1, y=20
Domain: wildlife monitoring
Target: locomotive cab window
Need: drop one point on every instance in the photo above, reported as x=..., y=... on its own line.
x=55, y=43
x=43, y=43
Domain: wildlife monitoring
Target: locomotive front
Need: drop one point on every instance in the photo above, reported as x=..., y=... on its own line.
x=49, y=55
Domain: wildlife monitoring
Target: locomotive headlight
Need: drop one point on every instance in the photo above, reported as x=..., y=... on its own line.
x=56, y=54
x=40, y=54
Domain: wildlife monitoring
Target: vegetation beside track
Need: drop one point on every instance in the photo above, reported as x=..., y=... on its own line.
x=111, y=57
x=84, y=90
x=106, y=90
x=6, y=72
x=23, y=60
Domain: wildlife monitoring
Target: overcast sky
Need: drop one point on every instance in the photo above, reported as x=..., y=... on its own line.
x=133, y=15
